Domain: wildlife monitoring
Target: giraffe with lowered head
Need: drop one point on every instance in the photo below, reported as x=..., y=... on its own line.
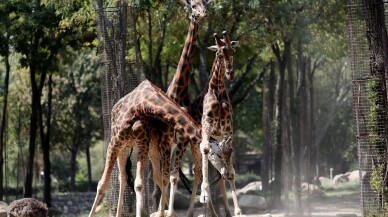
x=163, y=136
x=146, y=101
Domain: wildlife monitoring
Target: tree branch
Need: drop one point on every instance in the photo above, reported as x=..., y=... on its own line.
x=237, y=85
x=248, y=88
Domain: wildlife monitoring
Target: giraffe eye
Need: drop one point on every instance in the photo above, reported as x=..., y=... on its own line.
x=194, y=6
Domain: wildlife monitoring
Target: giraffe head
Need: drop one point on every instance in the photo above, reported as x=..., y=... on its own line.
x=198, y=9
x=220, y=157
x=225, y=51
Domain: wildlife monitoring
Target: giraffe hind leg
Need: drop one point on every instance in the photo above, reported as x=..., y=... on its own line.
x=142, y=158
x=112, y=152
x=122, y=160
x=196, y=153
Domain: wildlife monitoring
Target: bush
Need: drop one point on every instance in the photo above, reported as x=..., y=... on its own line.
x=244, y=179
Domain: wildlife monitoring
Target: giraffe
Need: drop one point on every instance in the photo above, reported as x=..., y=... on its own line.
x=161, y=145
x=146, y=101
x=217, y=119
x=216, y=95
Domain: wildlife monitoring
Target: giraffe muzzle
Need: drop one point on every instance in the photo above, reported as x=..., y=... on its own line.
x=230, y=75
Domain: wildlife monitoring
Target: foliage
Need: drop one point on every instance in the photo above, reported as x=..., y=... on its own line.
x=244, y=179
x=67, y=40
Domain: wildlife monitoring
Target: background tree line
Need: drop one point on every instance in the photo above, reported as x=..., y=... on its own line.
x=291, y=98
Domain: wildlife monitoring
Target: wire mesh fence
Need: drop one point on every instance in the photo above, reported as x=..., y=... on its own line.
x=367, y=45
x=119, y=77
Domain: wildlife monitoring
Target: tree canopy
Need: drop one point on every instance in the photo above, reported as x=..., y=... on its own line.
x=54, y=101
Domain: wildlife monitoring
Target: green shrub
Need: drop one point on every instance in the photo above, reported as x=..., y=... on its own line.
x=244, y=179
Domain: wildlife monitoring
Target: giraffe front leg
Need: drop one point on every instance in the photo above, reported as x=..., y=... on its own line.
x=174, y=175
x=237, y=210
x=205, y=194
x=225, y=198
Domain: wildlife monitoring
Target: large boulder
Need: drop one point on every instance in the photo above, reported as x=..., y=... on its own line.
x=252, y=188
x=324, y=180
x=27, y=207
x=252, y=203
x=3, y=209
x=354, y=176
x=340, y=178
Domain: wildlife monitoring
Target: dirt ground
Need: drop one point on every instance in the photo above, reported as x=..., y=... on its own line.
x=333, y=204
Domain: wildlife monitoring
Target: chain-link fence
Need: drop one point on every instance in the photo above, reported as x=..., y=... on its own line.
x=119, y=77
x=368, y=50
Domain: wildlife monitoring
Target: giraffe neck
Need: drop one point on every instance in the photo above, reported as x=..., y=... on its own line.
x=178, y=89
x=216, y=82
x=147, y=100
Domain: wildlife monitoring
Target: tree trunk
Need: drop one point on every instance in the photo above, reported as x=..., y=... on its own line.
x=203, y=72
x=278, y=143
x=45, y=143
x=311, y=114
x=73, y=169
x=3, y=121
x=378, y=142
x=35, y=101
x=268, y=101
x=89, y=168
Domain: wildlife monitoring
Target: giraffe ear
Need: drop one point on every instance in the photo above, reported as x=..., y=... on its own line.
x=213, y=48
x=234, y=44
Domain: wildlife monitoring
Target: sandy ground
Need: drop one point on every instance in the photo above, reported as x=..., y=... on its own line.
x=344, y=206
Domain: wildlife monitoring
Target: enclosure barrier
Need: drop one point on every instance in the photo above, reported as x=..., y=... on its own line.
x=368, y=53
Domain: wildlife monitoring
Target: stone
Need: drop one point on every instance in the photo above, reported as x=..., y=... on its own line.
x=165, y=214
x=346, y=215
x=312, y=189
x=252, y=188
x=252, y=203
x=27, y=207
x=354, y=176
x=3, y=209
x=340, y=178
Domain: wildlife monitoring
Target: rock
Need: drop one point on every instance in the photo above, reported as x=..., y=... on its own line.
x=165, y=214
x=252, y=188
x=181, y=201
x=324, y=180
x=3, y=209
x=28, y=207
x=312, y=189
x=252, y=203
x=340, y=178
x=346, y=215
x=354, y=176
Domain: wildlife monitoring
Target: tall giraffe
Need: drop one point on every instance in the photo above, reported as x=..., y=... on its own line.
x=161, y=145
x=217, y=110
x=217, y=118
x=146, y=101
